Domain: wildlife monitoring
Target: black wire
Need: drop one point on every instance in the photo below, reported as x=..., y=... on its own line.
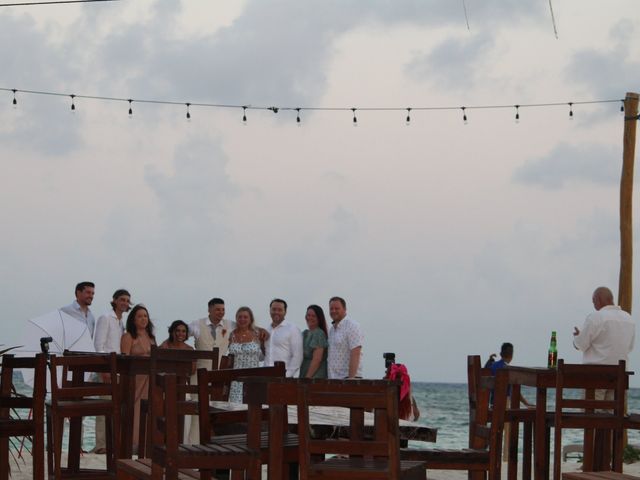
x=325, y=109
x=52, y=2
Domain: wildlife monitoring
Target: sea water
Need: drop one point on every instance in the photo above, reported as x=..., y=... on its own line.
x=443, y=406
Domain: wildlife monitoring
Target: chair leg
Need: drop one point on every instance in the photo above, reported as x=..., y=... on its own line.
x=108, y=433
x=58, y=427
x=557, y=454
x=49, y=444
x=4, y=458
x=527, y=450
x=37, y=451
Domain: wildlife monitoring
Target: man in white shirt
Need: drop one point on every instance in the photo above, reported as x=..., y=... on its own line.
x=285, y=340
x=608, y=334
x=345, y=342
x=109, y=330
x=79, y=309
x=209, y=332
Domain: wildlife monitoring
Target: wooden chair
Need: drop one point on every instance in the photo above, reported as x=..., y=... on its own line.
x=487, y=426
x=587, y=412
x=360, y=456
x=77, y=398
x=22, y=427
x=163, y=360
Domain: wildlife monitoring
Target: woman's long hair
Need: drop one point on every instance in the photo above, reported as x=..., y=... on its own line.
x=131, y=322
x=173, y=327
x=322, y=323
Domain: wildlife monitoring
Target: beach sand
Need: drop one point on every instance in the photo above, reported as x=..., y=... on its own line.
x=23, y=470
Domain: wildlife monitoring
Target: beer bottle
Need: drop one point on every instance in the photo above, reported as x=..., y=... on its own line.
x=552, y=359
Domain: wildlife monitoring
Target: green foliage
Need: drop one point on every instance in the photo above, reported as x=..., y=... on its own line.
x=630, y=454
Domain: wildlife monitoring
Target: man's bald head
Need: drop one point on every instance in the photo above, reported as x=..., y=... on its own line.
x=602, y=297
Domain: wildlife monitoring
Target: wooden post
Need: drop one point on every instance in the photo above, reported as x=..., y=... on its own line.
x=626, y=198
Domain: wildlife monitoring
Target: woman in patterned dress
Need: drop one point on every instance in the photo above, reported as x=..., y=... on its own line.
x=137, y=341
x=246, y=347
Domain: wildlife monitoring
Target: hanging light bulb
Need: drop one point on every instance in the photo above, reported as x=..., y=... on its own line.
x=570, y=110
x=15, y=101
x=517, y=113
x=130, y=109
x=188, y=112
x=621, y=107
x=298, y=117
x=408, y=119
x=464, y=115
x=244, y=115
x=355, y=119
x=73, y=103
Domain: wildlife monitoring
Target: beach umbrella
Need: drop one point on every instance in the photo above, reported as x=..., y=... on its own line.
x=66, y=333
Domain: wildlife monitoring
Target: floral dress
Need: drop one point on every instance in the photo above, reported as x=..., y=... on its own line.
x=245, y=355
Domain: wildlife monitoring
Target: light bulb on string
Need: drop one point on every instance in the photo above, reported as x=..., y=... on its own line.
x=298, y=117
x=355, y=119
x=517, y=113
x=244, y=115
x=408, y=119
x=188, y=112
x=464, y=115
x=15, y=101
x=621, y=107
x=73, y=103
x=570, y=110
x=130, y=108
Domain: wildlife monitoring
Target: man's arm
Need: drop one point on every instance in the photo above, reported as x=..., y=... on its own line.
x=354, y=361
x=102, y=333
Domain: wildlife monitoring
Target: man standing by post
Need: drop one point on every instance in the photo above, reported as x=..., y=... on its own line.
x=285, y=340
x=608, y=334
x=79, y=309
x=345, y=342
x=109, y=330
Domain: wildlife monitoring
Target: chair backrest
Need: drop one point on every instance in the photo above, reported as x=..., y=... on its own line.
x=381, y=396
x=8, y=398
x=166, y=360
x=491, y=432
x=79, y=386
x=210, y=384
x=589, y=377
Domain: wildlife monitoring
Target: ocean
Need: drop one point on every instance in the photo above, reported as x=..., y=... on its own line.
x=443, y=406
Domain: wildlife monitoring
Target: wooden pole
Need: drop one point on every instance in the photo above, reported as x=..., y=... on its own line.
x=625, y=282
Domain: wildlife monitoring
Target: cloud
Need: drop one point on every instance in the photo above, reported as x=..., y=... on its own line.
x=596, y=164
x=454, y=62
x=608, y=72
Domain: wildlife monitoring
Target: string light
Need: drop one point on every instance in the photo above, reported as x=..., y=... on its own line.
x=188, y=112
x=517, y=113
x=276, y=109
x=73, y=103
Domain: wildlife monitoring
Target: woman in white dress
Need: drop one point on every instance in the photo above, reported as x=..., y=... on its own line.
x=246, y=347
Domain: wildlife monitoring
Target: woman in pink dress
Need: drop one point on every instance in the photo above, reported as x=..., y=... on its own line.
x=137, y=341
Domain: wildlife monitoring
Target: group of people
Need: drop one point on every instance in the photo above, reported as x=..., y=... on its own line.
x=316, y=352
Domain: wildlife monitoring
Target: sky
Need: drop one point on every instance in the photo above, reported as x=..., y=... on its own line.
x=446, y=239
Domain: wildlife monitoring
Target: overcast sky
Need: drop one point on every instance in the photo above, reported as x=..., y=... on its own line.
x=445, y=239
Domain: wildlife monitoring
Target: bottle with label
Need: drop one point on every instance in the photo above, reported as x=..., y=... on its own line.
x=552, y=359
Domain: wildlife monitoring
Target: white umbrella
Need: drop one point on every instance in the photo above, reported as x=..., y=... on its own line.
x=66, y=333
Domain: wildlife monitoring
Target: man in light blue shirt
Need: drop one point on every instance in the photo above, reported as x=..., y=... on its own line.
x=79, y=309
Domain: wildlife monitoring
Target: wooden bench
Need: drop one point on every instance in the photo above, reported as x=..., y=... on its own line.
x=359, y=457
x=22, y=427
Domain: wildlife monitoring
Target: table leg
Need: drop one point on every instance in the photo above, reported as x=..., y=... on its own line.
x=540, y=447
x=127, y=395
x=513, y=436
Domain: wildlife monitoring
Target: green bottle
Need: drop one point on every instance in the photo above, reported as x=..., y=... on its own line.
x=552, y=359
